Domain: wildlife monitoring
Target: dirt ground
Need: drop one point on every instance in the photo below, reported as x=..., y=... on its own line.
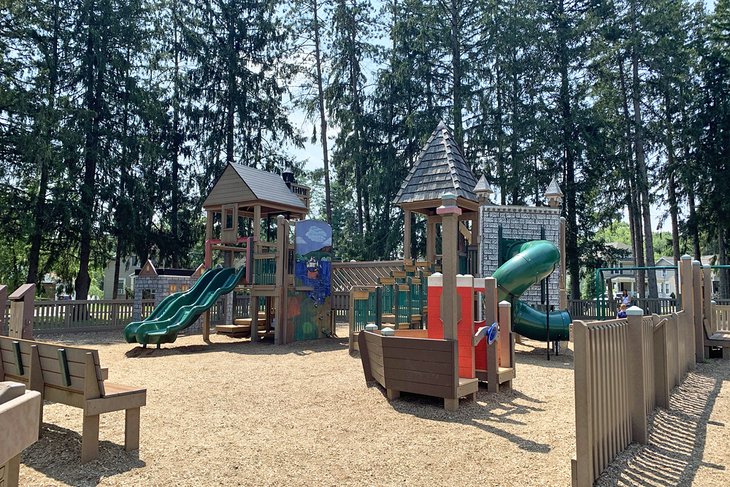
x=237, y=413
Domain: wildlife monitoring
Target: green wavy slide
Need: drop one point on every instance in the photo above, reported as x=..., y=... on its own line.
x=530, y=263
x=180, y=310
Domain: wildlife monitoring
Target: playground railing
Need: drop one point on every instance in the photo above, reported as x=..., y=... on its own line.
x=341, y=305
x=720, y=321
x=264, y=269
x=81, y=315
x=624, y=368
x=588, y=309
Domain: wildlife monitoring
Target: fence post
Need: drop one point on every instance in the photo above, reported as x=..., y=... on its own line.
x=582, y=465
x=696, y=296
x=688, y=304
x=21, y=312
x=636, y=364
x=707, y=300
x=662, y=387
x=506, y=345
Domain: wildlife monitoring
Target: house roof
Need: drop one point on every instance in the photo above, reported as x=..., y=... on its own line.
x=268, y=186
x=440, y=168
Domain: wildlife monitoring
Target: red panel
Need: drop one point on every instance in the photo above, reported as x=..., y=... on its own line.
x=465, y=332
x=434, y=323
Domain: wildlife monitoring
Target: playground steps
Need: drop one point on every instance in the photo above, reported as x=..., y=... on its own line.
x=467, y=386
x=234, y=331
x=504, y=374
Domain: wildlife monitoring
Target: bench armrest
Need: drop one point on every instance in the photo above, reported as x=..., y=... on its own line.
x=19, y=420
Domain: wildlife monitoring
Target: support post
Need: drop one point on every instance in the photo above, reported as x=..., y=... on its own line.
x=699, y=331
x=431, y=240
x=490, y=316
x=406, y=234
x=282, y=247
x=449, y=300
x=688, y=303
x=636, y=365
x=256, y=225
x=21, y=312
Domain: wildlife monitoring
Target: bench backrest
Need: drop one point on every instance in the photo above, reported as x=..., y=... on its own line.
x=67, y=374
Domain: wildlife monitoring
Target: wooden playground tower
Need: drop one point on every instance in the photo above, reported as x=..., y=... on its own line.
x=441, y=168
x=248, y=219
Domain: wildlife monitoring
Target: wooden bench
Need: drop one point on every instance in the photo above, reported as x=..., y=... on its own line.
x=411, y=362
x=72, y=376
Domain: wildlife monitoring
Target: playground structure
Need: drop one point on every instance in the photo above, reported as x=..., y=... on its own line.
x=518, y=246
x=441, y=360
x=250, y=218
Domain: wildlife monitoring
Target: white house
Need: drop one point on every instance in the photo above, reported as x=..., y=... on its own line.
x=127, y=266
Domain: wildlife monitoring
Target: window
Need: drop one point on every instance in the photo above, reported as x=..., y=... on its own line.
x=148, y=294
x=120, y=287
x=228, y=221
x=173, y=288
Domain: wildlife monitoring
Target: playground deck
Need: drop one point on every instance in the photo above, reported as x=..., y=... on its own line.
x=300, y=414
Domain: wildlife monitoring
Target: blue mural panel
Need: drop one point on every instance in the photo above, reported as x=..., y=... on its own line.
x=313, y=258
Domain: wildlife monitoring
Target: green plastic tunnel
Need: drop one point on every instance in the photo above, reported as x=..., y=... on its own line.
x=530, y=263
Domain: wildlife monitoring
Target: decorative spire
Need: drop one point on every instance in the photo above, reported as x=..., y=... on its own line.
x=553, y=194
x=483, y=190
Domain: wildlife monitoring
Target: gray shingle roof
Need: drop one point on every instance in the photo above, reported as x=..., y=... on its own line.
x=440, y=168
x=268, y=186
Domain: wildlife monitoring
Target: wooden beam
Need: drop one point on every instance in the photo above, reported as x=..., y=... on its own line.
x=257, y=223
x=406, y=234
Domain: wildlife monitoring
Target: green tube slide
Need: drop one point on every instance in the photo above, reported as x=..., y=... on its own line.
x=530, y=263
x=179, y=311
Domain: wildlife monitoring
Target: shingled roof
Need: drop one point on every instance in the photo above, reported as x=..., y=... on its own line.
x=240, y=183
x=440, y=168
x=268, y=186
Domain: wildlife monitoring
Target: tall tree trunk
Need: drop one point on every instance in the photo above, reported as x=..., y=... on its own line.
x=672, y=186
x=39, y=213
x=457, y=73
x=632, y=195
x=567, y=131
x=693, y=222
x=176, y=142
x=322, y=114
x=501, y=177
x=232, y=87
x=94, y=86
x=722, y=256
x=642, y=173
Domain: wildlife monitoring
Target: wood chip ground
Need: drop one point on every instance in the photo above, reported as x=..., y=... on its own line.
x=236, y=413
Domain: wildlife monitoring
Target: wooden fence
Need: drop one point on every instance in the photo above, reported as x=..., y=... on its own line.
x=624, y=369
x=82, y=315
